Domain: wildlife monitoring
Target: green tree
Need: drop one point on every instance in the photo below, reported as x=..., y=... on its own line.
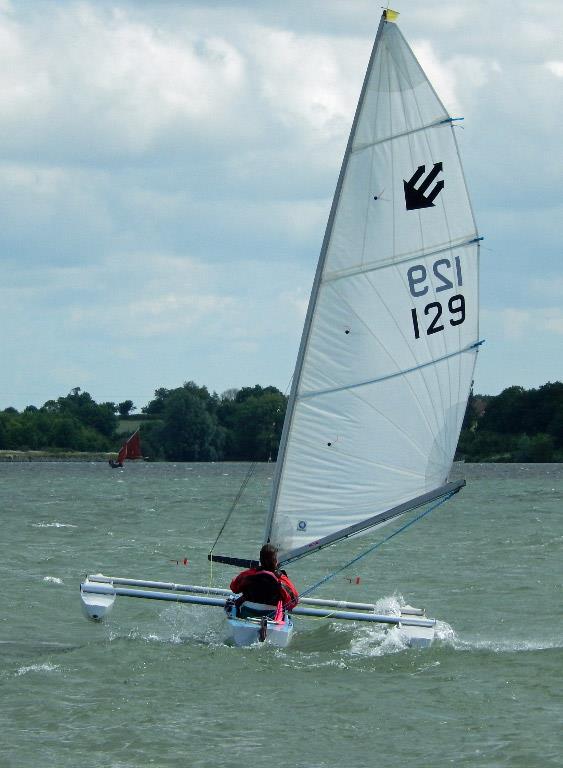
x=23, y=434
x=470, y=416
x=82, y=406
x=538, y=448
x=482, y=445
x=255, y=391
x=544, y=406
x=66, y=433
x=555, y=427
x=505, y=412
x=257, y=424
x=125, y=408
x=152, y=441
x=189, y=431
x=156, y=406
x=3, y=431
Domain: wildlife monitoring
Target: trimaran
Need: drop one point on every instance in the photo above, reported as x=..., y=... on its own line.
x=387, y=354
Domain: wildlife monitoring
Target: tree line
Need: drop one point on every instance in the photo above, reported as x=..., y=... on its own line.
x=189, y=423
x=519, y=425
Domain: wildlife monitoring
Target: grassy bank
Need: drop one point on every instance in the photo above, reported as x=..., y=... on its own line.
x=7, y=455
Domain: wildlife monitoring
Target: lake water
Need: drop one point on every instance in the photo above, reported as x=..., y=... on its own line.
x=157, y=685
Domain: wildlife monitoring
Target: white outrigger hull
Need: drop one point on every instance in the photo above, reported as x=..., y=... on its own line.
x=416, y=636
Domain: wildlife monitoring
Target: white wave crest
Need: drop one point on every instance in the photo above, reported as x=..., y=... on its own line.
x=445, y=633
x=38, y=668
x=53, y=579
x=379, y=641
x=510, y=645
x=391, y=605
x=54, y=525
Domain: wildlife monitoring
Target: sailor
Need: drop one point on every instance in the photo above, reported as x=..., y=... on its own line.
x=267, y=584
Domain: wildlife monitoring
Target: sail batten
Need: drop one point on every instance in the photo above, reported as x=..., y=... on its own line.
x=320, y=392
x=374, y=266
x=434, y=124
x=390, y=339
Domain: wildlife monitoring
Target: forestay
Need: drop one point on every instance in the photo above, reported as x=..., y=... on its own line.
x=390, y=339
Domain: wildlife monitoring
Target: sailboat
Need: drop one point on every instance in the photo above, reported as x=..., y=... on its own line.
x=131, y=449
x=387, y=353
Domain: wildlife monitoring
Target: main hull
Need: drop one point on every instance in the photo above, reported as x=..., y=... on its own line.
x=246, y=632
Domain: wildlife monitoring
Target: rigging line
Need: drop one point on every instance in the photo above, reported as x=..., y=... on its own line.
x=288, y=387
x=234, y=504
x=377, y=545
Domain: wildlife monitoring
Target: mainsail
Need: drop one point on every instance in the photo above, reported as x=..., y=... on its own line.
x=131, y=449
x=390, y=339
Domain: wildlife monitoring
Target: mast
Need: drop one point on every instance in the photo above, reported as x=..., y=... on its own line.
x=314, y=292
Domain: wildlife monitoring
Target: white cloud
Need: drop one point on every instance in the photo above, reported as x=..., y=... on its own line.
x=140, y=295
x=555, y=67
x=520, y=324
x=111, y=83
x=168, y=167
x=305, y=79
x=24, y=84
x=455, y=79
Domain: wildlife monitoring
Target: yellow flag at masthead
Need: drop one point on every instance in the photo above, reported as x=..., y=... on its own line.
x=391, y=15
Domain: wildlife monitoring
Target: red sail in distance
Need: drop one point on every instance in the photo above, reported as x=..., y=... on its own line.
x=131, y=449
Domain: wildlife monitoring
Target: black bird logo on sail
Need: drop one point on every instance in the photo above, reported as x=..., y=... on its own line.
x=415, y=197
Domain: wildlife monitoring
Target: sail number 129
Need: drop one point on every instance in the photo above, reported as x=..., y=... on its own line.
x=456, y=306
x=443, y=271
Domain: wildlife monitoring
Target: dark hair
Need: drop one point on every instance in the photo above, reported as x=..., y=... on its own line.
x=269, y=557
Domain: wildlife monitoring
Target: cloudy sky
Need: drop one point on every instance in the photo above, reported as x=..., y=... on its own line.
x=167, y=168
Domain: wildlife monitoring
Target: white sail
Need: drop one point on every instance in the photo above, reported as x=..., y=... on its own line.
x=389, y=346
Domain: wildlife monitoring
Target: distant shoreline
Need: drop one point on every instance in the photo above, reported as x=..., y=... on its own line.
x=24, y=456
x=7, y=457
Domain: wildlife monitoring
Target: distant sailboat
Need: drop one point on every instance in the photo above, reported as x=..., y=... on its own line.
x=131, y=449
x=388, y=348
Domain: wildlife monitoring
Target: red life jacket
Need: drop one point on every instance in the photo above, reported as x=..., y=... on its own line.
x=261, y=586
x=290, y=594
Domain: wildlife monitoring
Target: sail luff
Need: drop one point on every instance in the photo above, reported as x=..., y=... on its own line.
x=314, y=292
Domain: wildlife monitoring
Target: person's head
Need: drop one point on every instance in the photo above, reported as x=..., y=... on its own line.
x=269, y=557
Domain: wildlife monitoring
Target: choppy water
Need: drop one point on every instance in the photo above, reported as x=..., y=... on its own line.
x=157, y=685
